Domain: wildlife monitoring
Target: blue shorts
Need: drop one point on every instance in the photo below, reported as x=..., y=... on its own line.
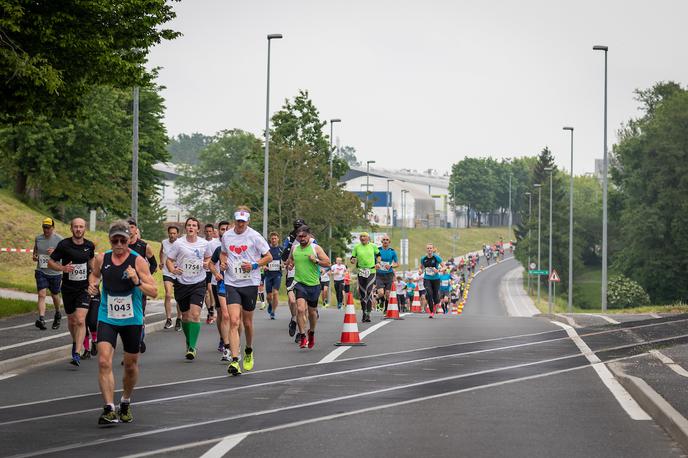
x=310, y=294
x=51, y=282
x=272, y=282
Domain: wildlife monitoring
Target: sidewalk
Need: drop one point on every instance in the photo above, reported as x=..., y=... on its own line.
x=514, y=296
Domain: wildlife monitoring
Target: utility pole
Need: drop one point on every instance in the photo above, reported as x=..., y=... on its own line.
x=135, y=160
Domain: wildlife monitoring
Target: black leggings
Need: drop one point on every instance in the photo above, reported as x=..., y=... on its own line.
x=92, y=315
x=432, y=293
x=339, y=290
x=365, y=291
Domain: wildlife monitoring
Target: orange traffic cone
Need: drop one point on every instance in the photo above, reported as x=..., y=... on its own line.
x=415, y=305
x=392, y=309
x=350, y=329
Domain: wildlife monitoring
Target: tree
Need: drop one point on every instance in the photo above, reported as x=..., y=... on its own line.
x=348, y=154
x=184, y=148
x=473, y=183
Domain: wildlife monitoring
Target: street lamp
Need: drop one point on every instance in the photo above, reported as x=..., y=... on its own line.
x=368, y=181
x=404, y=250
x=604, y=185
x=530, y=210
x=539, y=188
x=274, y=36
x=550, y=170
x=389, y=205
x=509, y=206
x=329, y=253
x=332, y=122
x=570, y=298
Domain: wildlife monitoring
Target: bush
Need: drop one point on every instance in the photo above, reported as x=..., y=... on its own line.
x=623, y=292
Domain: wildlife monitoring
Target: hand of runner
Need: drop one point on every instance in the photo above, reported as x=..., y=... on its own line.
x=93, y=289
x=245, y=266
x=34, y=256
x=223, y=266
x=132, y=275
x=313, y=259
x=177, y=271
x=68, y=268
x=377, y=266
x=50, y=251
x=218, y=276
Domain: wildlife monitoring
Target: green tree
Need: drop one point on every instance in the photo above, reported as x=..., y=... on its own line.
x=348, y=154
x=473, y=183
x=184, y=148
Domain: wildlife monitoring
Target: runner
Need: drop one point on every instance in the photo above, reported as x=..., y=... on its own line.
x=46, y=278
x=209, y=233
x=90, y=343
x=445, y=288
x=217, y=285
x=418, y=279
x=364, y=255
x=430, y=264
x=126, y=279
x=307, y=258
x=143, y=249
x=185, y=260
x=273, y=275
x=339, y=271
x=400, y=289
x=384, y=278
x=291, y=300
x=244, y=251
x=324, y=285
x=169, y=279
x=74, y=257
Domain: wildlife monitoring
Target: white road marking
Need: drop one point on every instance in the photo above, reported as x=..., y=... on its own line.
x=669, y=363
x=6, y=376
x=568, y=319
x=624, y=399
x=224, y=446
x=655, y=315
x=604, y=317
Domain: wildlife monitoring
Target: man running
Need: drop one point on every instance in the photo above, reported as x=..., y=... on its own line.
x=244, y=252
x=46, y=278
x=430, y=264
x=169, y=279
x=307, y=259
x=209, y=233
x=217, y=285
x=126, y=280
x=143, y=249
x=325, y=285
x=273, y=275
x=74, y=257
x=339, y=270
x=364, y=256
x=384, y=277
x=185, y=260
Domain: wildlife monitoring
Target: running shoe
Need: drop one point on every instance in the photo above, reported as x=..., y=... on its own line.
x=190, y=354
x=142, y=347
x=124, y=413
x=221, y=346
x=248, y=361
x=292, y=327
x=94, y=348
x=210, y=319
x=432, y=315
x=86, y=354
x=178, y=324
x=40, y=324
x=262, y=305
x=304, y=341
x=297, y=339
x=272, y=316
x=56, y=320
x=311, y=339
x=325, y=305
x=76, y=360
x=108, y=417
x=168, y=323
x=225, y=355
x=233, y=368
x=339, y=306
x=270, y=309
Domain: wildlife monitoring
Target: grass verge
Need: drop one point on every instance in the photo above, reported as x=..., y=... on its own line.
x=10, y=307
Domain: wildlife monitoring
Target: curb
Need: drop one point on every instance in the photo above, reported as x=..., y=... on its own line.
x=53, y=355
x=661, y=411
x=558, y=317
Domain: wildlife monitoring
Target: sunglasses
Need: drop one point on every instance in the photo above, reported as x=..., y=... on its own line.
x=119, y=241
x=385, y=240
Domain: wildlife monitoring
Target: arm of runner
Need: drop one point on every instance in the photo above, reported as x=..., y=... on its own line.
x=395, y=260
x=94, y=276
x=151, y=259
x=169, y=262
x=322, y=259
x=142, y=278
x=34, y=254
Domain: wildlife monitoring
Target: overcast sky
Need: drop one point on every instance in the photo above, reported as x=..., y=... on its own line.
x=422, y=84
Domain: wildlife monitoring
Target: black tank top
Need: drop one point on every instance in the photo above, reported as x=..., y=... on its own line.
x=430, y=261
x=115, y=279
x=140, y=247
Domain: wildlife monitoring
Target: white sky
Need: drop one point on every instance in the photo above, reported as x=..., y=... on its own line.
x=422, y=84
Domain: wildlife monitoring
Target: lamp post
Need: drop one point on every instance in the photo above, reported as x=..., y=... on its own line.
x=404, y=251
x=368, y=182
x=389, y=205
x=539, y=188
x=332, y=123
x=569, y=305
x=329, y=252
x=274, y=36
x=530, y=210
x=509, y=206
x=604, y=185
x=549, y=259
x=135, y=159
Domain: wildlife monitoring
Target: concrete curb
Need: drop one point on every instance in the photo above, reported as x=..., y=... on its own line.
x=558, y=317
x=663, y=413
x=54, y=355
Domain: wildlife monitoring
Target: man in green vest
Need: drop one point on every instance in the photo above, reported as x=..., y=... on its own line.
x=365, y=256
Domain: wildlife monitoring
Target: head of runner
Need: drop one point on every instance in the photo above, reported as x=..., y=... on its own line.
x=303, y=235
x=120, y=234
x=48, y=227
x=172, y=233
x=364, y=238
x=241, y=219
x=209, y=232
x=385, y=241
x=133, y=231
x=430, y=249
x=78, y=228
x=222, y=227
x=191, y=226
x=274, y=239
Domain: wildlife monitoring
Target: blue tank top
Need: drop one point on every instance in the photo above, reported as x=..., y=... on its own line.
x=121, y=303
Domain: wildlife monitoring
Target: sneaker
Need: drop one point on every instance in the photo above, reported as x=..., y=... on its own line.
x=432, y=315
x=248, y=361
x=168, y=323
x=272, y=316
x=178, y=324
x=225, y=355
x=292, y=327
x=142, y=347
x=210, y=319
x=233, y=368
x=270, y=309
x=304, y=341
x=262, y=305
x=221, y=346
x=56, y=320
x=76, y=360
x=124, y=413
x=108, y=417
x=86, y=354
x=40, y=324
x=190, y=354
x=339, y=306
x=311, y=339
x=94, y=348
x=297, y=339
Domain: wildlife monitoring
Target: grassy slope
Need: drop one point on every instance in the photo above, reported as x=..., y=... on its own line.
x=9, y=307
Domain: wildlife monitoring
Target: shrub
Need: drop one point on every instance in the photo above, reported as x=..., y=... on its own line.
x=623, y=292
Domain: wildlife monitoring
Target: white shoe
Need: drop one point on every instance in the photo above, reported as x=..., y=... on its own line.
x=225, y=355
x=262, y=305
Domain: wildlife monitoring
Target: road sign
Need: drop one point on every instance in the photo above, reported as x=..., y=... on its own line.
x=538, y=272
x=554, y=276
x=532, y=266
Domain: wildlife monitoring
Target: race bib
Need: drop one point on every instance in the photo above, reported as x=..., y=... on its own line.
x=365, y=273
x=429, y=271
x=120, y=307
x=192, y=267
x=444, y=283
x=291, y=273
x=80, y=272
x=239, y=273
x=385, y=265
x=274, y=266
x=43, y=261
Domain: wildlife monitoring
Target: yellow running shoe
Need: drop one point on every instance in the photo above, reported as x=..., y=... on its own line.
x=248, y=360
x=233, y=368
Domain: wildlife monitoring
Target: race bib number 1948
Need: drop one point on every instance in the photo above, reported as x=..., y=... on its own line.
x=80, y=272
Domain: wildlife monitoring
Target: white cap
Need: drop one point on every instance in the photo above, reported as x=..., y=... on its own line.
x=242, y=216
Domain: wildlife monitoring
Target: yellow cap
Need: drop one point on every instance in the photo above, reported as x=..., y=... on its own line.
x=48, y=222
x=363, y=234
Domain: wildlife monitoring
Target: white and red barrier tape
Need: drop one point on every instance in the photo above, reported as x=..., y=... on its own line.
x=22, y=250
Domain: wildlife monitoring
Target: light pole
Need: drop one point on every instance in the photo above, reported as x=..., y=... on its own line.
x=404, y=251
x=368, y=182
x=135, y=159
x=389, y=205
x=329, y=253
x=570, y=298
x=530, y=210
x=266, y=169
x=509, y=206
x=539, y=188
x=549, y=260
x=604, y=186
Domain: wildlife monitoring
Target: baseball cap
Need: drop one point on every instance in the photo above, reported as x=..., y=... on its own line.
x=120, y=227
x=48, y=222
x=364, y=234
x=242, y=215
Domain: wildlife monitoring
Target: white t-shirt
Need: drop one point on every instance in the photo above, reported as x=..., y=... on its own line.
x=338, y=271
x=166, y=244
x=248, y=246
x=400, y=285
x=324, y=274
x=291, y=272
x=189, y=256
x=212, y=244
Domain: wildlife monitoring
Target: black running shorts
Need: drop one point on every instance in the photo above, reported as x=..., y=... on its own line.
x=130, y=335
x=185, y=295
x=244, y=295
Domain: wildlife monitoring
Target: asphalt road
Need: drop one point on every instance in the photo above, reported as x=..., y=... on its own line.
x=478, y=384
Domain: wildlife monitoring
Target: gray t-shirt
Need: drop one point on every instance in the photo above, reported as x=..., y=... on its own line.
x=42, y=245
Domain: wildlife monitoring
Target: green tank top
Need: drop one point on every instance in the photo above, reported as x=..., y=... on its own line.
x=306, y=272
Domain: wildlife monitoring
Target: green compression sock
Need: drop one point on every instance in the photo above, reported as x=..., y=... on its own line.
x=187, y=332
x=194, y=331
